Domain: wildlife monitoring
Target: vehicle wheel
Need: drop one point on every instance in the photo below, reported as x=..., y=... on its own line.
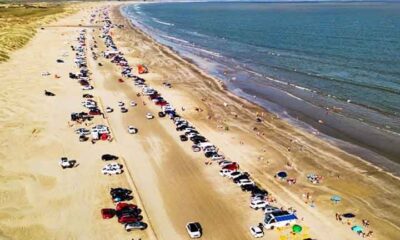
x=129, y=230
x=272, y=228
x=256, y=208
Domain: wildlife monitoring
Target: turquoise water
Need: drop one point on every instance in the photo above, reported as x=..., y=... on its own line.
x=327, y=55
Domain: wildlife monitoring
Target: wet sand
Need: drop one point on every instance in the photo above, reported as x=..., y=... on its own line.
x=171, y=183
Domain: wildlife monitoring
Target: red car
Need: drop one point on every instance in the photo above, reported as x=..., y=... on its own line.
x=161, y=103
x=95, y=112
x=129, y=219
x=122, y=205
x=232, y=167
x=107, y=213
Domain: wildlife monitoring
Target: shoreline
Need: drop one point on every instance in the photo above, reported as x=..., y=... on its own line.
x=250, y=108
x=369, y=154
x=171, y=183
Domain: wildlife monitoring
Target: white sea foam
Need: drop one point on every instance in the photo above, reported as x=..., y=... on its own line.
x=161, y=22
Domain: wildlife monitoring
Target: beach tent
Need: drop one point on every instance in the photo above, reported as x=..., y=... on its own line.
x=336, y=198
x=142, y=69
x=281, y=175
x=297, y=228
x=348, y=215
x=357, y=229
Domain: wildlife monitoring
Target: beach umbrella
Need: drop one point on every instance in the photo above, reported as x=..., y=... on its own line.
x=281, y=174
x=348, y=215
x=297, y=228
x=336, y=198
x=357, y=228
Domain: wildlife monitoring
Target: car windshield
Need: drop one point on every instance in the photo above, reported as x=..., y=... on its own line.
x=193, y=227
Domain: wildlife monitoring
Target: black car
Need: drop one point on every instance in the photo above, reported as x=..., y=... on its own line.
x=182, y=127
x=183, y=138
x=120, y=190
x=129, y=211
x=241, y=177
x=209, y=154
x=192, y=131
x=258, y=191
x=119, y=197
x=161, y=114
x=124, y=110
x=248, y=188
x=86, y=95
x=198, y=137
x=197, y=141
x=108, y=157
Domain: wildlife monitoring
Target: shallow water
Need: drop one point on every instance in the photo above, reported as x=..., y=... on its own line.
x=297, y=59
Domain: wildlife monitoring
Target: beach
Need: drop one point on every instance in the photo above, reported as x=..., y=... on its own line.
x=170, y=183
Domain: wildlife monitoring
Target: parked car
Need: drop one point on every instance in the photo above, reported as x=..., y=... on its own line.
x=161, y=114
x=270, y=209
x=109, y=110
x=83, y=138
x=82, y=131
x=129, y=219
x=107, y=213
x=258, y=204
x=121, y=104
x=196, y=148
x=183, y=138
x=133, y=104
x=132, y=130
x=194, y=229
x=108, y=157
x=94, y=111
x=86, y=95
x=88, y=87
x=149, y=116
x=279, y=219
x=123, y=205
x=124, y=110
x=135, y=225
x=243, y=182
x=109, y=170
x=256, y=232
x=225, y=172
x=65, y=163
x=120, y=190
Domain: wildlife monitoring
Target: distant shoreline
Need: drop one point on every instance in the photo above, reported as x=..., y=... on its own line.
x=365, y=141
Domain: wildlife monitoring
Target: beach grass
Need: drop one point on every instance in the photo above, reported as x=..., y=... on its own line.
x=18, y=23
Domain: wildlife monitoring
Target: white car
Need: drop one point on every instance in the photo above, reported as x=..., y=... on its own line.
x=256, y=231
x=109, y=110
x=194, y=229
x=82, y=131
x=258, y=204
x=65, y=163
x=234, y=174
x=113, y=165
x=243, y=182
x=225, y=172
x=132, y=130
x=149, y=116
x=269, y=209
x=225, y=163
x=111, y=171
x=217, y=157
x=133, y=104
x=121, y=104
x=89, y=87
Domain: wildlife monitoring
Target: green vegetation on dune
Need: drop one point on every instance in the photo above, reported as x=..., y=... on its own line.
x=18, y=23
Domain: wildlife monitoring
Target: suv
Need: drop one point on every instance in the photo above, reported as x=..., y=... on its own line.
x=194, y=229
x=135, y=225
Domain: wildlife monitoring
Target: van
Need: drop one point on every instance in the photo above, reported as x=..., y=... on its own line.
x=279, y=219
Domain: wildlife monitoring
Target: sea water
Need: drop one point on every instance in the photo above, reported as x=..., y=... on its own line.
x=312, y=63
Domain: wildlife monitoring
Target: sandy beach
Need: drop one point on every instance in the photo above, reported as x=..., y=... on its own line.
x=170, y=183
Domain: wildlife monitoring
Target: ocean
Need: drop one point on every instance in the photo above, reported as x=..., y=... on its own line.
x=330, y=68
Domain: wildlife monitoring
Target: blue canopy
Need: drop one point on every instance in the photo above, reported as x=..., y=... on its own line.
x=281, y=174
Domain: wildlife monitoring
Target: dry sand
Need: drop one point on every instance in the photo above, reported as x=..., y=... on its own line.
x=39, y=200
